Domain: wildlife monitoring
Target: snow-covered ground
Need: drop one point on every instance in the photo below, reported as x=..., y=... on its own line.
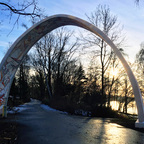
x=23, y=107
x=47, y=108
x=17, y=109
x=82, y=112
x=77, y=112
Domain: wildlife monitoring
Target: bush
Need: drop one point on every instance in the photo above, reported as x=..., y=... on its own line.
x=105, y=112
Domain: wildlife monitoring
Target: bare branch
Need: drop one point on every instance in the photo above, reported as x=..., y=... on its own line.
x=20, y=11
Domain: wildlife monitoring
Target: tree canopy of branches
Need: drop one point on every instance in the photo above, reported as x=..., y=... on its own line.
x=103, y=19
x=22, y=10
x=140, y=56
x=54, y=59
x=26, y=8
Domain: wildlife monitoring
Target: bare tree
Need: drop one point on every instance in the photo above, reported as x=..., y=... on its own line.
x=23, y=7
x=140, y=66
x=26, y=8
x=42, y=60
x=64, y=52
x=54, y=56
x=140, y=56
x=103, y=19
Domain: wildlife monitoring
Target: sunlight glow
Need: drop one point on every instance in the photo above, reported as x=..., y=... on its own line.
x=32, y=72
x=113, y=72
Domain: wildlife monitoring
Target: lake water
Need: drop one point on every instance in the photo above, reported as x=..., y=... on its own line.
x=131, y=108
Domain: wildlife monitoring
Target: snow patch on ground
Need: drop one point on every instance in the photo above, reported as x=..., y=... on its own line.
x=34, y=101
x=47, y=108
x=77, y=112
x=82, y=112
x=23, y=107
x=17, y=109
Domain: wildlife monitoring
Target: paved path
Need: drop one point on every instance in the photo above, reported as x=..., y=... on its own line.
x=38, y=126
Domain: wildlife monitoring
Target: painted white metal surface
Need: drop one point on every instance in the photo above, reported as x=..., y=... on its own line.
x=22, y=45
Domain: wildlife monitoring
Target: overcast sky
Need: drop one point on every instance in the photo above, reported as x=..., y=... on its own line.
x=129, y=15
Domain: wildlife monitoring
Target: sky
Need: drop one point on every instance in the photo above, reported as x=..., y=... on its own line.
x=130, y=15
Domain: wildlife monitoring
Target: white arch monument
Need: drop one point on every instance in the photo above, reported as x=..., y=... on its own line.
x=22, y=45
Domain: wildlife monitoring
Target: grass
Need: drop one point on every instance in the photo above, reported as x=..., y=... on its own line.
x=127, y=121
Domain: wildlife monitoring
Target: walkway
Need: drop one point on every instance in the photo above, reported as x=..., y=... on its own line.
x=38, y=126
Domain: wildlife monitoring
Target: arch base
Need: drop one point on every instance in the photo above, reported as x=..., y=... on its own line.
x=139, y=124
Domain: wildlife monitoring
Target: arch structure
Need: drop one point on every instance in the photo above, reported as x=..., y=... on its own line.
x=22, y=45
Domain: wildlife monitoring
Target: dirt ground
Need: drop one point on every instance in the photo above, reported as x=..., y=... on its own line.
x=8, y=130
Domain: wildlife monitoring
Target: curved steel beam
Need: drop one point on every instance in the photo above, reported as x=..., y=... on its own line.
x=22, y=45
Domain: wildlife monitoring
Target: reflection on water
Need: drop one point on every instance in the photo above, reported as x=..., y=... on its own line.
x=131, y=108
